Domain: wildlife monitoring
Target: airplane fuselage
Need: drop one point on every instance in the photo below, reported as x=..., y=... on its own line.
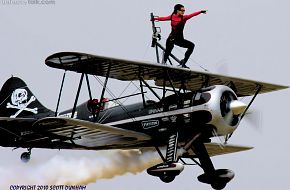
x=187, y=113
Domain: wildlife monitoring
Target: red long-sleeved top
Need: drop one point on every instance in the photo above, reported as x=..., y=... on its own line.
x=177, y=23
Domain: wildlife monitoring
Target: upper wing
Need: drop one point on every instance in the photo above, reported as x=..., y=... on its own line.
x=132, y=70
x=89, y=134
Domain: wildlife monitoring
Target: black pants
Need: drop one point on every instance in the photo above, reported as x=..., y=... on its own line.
x=181, y=42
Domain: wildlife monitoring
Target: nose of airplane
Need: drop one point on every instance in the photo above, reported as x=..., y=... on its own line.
x=237, y=107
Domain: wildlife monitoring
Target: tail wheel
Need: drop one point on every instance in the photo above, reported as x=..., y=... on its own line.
x=25, y=157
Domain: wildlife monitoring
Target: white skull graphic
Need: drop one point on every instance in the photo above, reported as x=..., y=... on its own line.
x=19, y=97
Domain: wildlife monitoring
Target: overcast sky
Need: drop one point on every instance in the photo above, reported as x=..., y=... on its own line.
x=249, y=38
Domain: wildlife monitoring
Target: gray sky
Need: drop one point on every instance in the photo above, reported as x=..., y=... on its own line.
x=250, y=37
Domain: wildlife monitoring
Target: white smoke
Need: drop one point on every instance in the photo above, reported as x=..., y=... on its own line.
x=62, y=170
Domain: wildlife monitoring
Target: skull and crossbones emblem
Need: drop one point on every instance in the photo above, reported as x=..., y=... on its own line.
x=19, y=100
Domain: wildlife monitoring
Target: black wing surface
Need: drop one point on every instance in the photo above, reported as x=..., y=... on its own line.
x=66, y=133
x=89, y=134
x=127, y=70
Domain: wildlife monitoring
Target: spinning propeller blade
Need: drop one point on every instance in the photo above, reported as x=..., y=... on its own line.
x=254, y=118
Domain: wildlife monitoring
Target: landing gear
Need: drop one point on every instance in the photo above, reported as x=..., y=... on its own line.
x=218, y=179
x=25, y=156
x=168, y=170
x=218, y=185
x=167, y=178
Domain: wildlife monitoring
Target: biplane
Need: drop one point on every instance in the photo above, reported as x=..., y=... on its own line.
x=201, y=105
x=189, y=109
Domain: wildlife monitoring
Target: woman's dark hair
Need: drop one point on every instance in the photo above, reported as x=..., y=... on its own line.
x=177, y=7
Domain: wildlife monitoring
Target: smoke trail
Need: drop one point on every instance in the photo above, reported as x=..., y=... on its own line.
x=61, y=170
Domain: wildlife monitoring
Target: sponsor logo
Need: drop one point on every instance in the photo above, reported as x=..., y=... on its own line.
x=172, y=107
x=69, y=115
x=150, y=124
x=157, y=110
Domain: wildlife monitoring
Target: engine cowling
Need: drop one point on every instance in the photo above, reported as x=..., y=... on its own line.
x=224, y=107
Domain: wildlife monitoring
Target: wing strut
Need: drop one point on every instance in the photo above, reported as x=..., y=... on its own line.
x=259, y=87
x=90, y=95
x=103, y=91
x=149, y=87
x=182, y=86
x=142, y=92
x=89, y=87
x=171, y=84
x=166, y=77
x=77, y=96
x=205, y=81
x=254, y=97
x=160, y=153
x=60, y=92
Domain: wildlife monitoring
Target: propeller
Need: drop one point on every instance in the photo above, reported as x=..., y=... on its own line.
x=231, y=108
x=254, y=118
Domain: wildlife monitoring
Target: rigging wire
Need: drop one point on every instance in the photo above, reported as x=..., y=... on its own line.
x=105, y=116
x=146, y=51
x=4, y=100
x=140, y=89
x=125, y=89
x=136, y=90
x=117, y=101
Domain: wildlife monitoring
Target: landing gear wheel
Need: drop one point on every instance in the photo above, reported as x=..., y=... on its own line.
x=219, y=179
x=25, y=157
x=218, y=185
x=167, y=178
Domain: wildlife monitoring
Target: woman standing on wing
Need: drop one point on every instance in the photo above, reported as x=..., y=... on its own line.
x=178, y=20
